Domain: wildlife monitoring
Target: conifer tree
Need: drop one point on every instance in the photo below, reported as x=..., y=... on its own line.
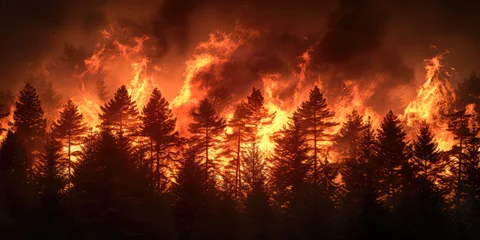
x=191, y=190
x=393, y=156
x=238, y=138
x=425, y=152
x=347, y=144
x=158, y=124
x=110, y=189
x=28, y=121
x=373, y=215
x=120, y=114
x=316, y=117
x=258, y=115
x=51, y=181
x=420, y=200
x=458, y=125
x=328, y=185
x=70, y=129
x=258, y=207
x=50, y=170
x=206, y=128
x=291, y=165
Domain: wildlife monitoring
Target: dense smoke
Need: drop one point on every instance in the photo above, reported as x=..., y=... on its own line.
x=368, y=41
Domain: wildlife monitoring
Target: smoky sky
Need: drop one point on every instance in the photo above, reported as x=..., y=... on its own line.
x=352, y=39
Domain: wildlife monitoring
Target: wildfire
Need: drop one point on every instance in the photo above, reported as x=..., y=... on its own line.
x=121, y=58
x=433, y=100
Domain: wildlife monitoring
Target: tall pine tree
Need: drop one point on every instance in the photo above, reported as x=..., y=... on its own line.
x=459, y=126
x=28, y=121
x=206, y=128
x=51, y=180
x=258, y=116
x=291, y=165
x=192, y=195
x=111, y=189
x=158, y=124
x=238, y=138
x=258, y=208
x=316, y=117
x=71, y=129
x=120, y=114
x=347, y=145
x=393, y=156
x=425, y=152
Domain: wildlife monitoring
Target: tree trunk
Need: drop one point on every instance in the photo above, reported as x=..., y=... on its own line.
x=206, y=148
x=237, y=171
x=459, y=176
x=69, y=158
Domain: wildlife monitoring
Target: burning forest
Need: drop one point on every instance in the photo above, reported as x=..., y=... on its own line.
x=205, y=119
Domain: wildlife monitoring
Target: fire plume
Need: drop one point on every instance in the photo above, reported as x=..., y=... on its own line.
x=433, y=100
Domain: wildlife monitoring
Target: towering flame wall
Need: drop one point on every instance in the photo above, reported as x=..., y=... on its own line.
x=123, y=59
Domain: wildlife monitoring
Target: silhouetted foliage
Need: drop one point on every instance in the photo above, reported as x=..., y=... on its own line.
x=138, y=179
x=158, y=124
x=51, y=220
x=28, y=120
x=316, y=117
x=70, y=129
x=393, y=156
x=111, y=190
x=120, y=114
x=206, y=128
x=237, y=140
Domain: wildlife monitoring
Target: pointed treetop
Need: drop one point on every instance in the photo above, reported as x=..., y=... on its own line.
x=28, y=117
x=255, y=99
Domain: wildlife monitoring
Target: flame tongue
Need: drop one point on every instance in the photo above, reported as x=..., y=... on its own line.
x=434, y=98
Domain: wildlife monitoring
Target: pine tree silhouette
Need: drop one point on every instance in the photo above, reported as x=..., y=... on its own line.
x=158, y=124
x=458, y=125
x=70, y=129
x=206, y=128
x=258, y=115
x=425, y=152
x=420, y=201
x=238, y=138
x=258, y=208
x=291, y=165
x=191, y=190
x=51, y=180
x=120, y=114
x=347, y=143
x=392, y=155
x=316, y=117
x=110, y=189
x=28, y=121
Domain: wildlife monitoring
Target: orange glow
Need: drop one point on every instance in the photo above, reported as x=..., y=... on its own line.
x=433, y=100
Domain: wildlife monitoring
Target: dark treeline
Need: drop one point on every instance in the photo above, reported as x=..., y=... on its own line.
x=137, y=178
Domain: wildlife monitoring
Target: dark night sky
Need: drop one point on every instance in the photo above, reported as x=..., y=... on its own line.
x=354, y=35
